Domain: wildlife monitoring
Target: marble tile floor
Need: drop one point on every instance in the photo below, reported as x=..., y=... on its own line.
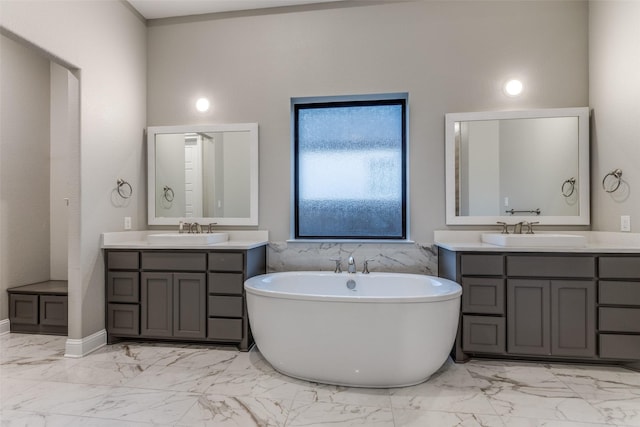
x=143, y=384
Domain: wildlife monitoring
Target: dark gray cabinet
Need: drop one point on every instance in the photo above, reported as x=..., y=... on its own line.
x=619, y=307
x=528, y=317
x=195, y=295
x=173, y=305
x=39, y=308
x=551, y=317
x=575, y=306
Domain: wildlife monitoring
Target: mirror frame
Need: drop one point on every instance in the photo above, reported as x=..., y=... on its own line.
x=583, y=217
x=252, y=128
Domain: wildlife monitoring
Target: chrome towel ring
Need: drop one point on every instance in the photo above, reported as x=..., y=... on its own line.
x=168, y=194
x=568, y=187
x=611, y=181
x=122, y=189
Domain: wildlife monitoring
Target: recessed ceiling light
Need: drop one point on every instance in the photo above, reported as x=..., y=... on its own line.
x=202, y=105
x=513, y=87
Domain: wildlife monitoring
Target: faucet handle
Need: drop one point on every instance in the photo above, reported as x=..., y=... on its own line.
x=210, y=227
x=530, y=226
x=338, y=262
x=505, y=229
x=365, y=268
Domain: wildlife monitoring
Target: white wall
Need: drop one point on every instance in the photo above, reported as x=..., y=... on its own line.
x=614, y=95
x=24, y=168
x=61, y=79
x=450, y=56
x=105, y=42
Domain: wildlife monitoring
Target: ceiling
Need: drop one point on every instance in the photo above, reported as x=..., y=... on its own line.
x=154, y=9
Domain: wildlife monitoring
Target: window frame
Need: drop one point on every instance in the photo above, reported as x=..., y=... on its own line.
x=297, y=104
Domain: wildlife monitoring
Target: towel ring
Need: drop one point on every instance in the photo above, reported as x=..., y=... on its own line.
x=568, y=187
x=611, y=176
x=168, y=194
x=122, y=183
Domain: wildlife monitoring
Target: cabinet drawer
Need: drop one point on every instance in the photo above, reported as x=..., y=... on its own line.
x=620, y=267
x=622, y=293
x=225, y=306
x=482, y=295
x=174, y=261
x=123, y=286
x=53, y=310
x=123, y=260
x=483, y=334
x=123, y=319
x=225, y=329
x=226, y=261
x=619, y=319
x=620, y=346
x=23, y=309
x=551, y=266
x=226, y=283
x=484, y=265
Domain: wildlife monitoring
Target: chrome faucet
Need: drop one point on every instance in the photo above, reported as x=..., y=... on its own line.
x=517, y=228
x=184, y=227
x=195, y=228
x=352, y=265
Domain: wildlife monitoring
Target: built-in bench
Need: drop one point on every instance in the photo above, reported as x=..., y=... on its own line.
x=39, y=308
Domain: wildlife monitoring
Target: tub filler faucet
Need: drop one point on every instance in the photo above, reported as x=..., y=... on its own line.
x=352, y=265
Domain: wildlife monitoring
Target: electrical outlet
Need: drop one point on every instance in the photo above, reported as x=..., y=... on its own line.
x=127, y=223
x=625, y=223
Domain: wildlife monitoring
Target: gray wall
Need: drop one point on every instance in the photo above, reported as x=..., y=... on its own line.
x=449, y=56
x=614, y=95
x=24, y=168
x=104, y=43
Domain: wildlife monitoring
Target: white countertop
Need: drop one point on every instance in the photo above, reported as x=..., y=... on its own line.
x=241, y=239
x=597, y=242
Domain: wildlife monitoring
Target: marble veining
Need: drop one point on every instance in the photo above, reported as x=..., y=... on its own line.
x=386, y=257
x=168, y=384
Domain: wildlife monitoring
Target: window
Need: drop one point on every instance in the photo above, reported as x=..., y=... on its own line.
x=350, y=168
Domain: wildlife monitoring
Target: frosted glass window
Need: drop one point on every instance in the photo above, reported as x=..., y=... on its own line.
x=350, y=165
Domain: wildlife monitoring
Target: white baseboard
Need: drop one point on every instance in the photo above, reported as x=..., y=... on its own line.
x=4, y=326
x=81, y=347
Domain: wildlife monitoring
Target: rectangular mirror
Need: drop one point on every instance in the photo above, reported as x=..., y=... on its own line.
x=518, y=166
x=203, y=173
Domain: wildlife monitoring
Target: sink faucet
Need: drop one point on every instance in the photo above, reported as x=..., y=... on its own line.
x=352, y=265
x=517, y=228
x=184, y=227
x=195, y=228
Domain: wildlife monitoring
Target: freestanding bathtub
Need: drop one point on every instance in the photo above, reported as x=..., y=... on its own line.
x=391, y=330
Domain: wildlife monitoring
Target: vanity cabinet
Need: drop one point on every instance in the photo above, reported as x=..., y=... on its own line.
x=571, y=306
x=195, y=295
x=619, y=307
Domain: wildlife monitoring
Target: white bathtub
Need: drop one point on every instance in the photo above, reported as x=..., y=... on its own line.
x=392, y=330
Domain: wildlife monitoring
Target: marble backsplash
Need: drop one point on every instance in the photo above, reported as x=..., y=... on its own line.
x=385, y=257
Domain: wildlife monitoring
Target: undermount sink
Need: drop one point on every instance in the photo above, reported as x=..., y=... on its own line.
x=187, y=238
x=535, y=240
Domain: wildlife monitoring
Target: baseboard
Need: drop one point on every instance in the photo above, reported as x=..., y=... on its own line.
x=81, y=347
x=5, y=327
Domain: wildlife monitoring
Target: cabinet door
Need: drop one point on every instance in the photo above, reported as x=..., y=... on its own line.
x=53, y=310
x=528, y=317
x=156, y=304
x=573, y=318
x=123, y=319
x=189, y=305
x=23, y=309
x=123, y=286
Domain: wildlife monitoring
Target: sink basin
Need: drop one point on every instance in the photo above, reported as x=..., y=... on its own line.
x=187, y=239
x=535, y=240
